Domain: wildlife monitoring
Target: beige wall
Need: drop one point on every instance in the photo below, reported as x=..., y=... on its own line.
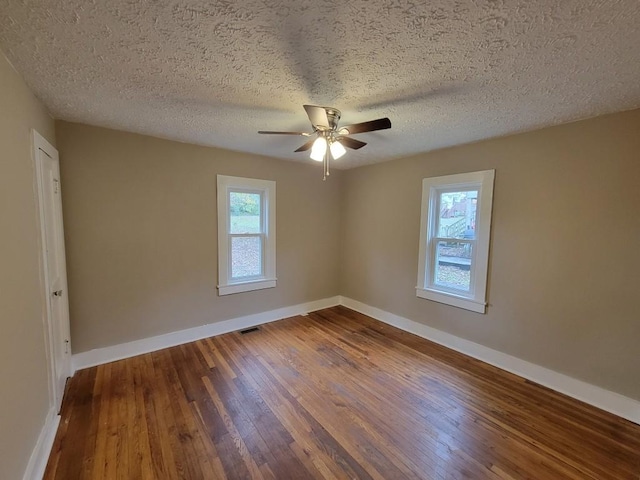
x=141, y=234
x=24, y=392
x=565, y=253
x=140, y=220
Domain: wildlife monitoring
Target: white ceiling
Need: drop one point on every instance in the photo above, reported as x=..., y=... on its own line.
x=214, y=73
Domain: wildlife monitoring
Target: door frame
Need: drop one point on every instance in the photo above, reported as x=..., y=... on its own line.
x=55, y=397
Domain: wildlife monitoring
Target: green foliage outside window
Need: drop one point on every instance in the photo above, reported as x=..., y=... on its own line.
x=245, y=203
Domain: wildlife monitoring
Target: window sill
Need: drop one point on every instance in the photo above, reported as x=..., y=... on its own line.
x=246, y=286
x=451, y=299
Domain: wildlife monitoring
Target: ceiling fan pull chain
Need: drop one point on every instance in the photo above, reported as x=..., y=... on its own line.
x=326, y=165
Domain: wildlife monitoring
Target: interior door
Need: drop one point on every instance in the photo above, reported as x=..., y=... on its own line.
x=50, y=199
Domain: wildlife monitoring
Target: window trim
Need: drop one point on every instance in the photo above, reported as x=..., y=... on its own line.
x=267, y=188
x=431, y=189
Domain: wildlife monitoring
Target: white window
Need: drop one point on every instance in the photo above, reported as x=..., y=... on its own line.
x=454, y=239
x=246, y=234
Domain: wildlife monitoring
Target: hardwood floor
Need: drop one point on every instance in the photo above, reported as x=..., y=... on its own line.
x=331, y=395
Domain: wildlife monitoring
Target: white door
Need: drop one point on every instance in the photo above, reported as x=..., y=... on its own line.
x=55, y=274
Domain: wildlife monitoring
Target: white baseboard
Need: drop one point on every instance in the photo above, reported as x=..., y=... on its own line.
x=42, y=450
x=598, y=397
x=100, y=356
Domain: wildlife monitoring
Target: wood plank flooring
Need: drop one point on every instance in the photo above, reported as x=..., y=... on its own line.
x=333, y=395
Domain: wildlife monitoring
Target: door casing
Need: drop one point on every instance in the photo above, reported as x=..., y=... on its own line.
x=56, y=330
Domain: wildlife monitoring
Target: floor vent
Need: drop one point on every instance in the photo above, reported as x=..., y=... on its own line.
x=249, y=330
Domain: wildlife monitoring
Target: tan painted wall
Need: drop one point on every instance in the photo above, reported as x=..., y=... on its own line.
x=565, y=266
x=141, y=234
x=24, y=392
x=564, y=272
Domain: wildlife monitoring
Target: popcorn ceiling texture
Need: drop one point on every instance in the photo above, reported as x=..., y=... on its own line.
x=214, y=73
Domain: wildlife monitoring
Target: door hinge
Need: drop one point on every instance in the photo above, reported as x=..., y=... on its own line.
x=56, y=185
x=66, y=346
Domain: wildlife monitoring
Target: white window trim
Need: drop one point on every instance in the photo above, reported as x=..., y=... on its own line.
x=226, y=285
x=476, y=299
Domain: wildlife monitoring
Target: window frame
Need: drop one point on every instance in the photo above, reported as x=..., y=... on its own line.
x=427, y=288
x=267, y=189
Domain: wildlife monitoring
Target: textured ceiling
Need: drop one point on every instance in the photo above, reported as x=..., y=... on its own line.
x=214, y=73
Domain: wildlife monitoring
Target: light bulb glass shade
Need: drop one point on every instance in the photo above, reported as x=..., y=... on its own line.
x=318, y=149
x=337, y=150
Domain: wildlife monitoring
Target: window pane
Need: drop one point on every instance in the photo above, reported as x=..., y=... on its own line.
x=453, y=265
x=457, y=218
x=245, y=210
x=246, y=257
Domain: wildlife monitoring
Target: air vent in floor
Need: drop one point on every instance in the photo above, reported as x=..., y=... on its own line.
x=249, y=330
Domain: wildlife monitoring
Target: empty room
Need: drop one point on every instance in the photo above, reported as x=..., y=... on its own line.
x=319, y=240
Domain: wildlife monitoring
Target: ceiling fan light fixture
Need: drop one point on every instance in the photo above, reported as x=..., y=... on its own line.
x=337, y=150
x=319, y=149
x=327, y=135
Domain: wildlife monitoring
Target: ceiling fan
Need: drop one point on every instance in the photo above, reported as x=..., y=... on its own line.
x=324, y=121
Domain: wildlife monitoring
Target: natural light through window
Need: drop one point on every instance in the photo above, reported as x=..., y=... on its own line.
x=246, y=234
x=454, y=239
x=456, y=221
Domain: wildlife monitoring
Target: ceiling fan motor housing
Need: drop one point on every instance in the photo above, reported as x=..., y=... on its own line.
x=333, y=116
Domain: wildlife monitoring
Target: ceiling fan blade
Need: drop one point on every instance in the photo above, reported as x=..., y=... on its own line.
x=284, y=133
x=306, y=146
x=370, y=126
x=351, y=143
x=317, y=116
